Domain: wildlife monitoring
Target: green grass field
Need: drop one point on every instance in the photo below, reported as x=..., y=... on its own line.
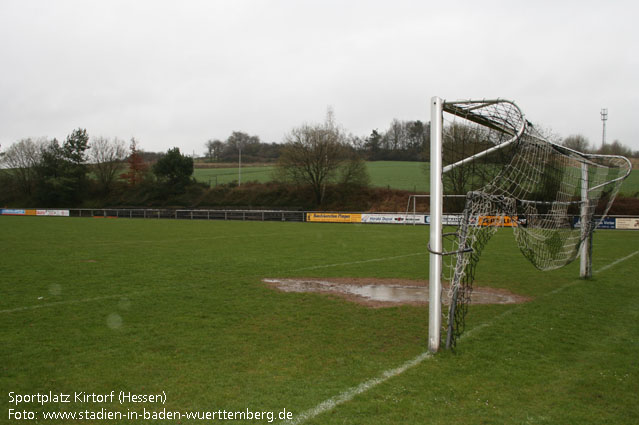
x=393, y=174
x=153, y=306
x=402, y=175
x=630, y=186
x=214, y=176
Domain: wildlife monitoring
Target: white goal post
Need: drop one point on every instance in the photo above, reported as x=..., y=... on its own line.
x=436, y=212
x=539, y=187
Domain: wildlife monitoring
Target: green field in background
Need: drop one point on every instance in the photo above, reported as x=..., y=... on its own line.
x=215, y=176
x=630, y=186
x=147, y=306
x=393, y=174
x=412, y=176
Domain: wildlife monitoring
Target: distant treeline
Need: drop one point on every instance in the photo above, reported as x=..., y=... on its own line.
x=580, y=143
x=319, y=158
x=82, y=172
x=402, y=141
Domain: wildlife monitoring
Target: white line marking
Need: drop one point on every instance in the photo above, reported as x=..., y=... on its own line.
x=83, y=300
x=179, y=240
x=348, y=395
x=33, y=307
x=359, y=262
x=614, y=263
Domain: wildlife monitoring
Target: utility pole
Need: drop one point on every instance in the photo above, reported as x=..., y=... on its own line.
x=604, y=118
x=239, y=170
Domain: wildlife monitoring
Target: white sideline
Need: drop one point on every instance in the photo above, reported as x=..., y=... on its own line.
x=614, y=263
x=359, y=262
x=83, y=300
x=348, y=395
x=33, y=307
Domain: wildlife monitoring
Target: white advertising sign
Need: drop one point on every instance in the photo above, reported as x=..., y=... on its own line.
x=393, y=218
x=448, y=219
x=628, y=223
x=56, y=213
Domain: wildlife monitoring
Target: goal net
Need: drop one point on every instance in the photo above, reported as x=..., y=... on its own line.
x=511, y=175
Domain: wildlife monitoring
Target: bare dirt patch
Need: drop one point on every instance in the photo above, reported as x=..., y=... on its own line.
x=374, y=292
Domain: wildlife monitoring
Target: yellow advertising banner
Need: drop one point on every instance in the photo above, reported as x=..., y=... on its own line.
x=334, y=217
x=29, y=212
x=627, y=223
x=497, y=221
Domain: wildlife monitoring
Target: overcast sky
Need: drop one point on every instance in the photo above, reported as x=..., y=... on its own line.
x=177, y=73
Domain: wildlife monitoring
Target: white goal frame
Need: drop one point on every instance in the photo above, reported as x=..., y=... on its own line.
x=437, y=169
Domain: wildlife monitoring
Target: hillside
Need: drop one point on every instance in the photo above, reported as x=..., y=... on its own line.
x=400, y=175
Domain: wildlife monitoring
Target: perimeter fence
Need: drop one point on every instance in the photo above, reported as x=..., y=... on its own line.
x=189, y=214
x=410, y=218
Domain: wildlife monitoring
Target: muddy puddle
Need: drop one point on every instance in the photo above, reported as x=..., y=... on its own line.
x=385, y=292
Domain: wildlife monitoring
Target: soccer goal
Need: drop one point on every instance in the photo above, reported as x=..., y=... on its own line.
x=412, y=203
x=510, y=174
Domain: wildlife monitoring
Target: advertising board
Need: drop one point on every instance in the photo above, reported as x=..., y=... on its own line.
x=497, y=221
x=13, y=212
x=606, y=223
x=447, y=219
x=334, y=217
x=393, y=218
x=628, y=223
x=53, y=213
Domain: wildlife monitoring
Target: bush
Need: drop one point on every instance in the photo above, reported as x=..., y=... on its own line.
x=174, y=170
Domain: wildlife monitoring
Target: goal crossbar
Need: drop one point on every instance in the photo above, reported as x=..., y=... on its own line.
x=468, y=114
x=452, y=108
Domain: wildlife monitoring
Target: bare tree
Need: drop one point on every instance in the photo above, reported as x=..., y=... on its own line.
x=577, y=142
x=213, y=149
x=354, y=172
x=615, y=148
x=107, y=157
x=462, y=141
x=317, y=155
x=397, y=135
x=21, y=159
